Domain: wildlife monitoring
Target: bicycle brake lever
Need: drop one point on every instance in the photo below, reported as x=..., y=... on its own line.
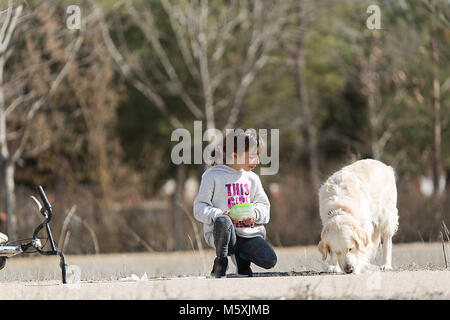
x=40, y=208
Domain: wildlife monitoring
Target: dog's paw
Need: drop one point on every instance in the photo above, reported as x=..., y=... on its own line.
x=385, y=267
x=334, y=269
x=358, y=271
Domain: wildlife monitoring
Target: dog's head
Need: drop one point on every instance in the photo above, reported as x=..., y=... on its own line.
x=344, y=239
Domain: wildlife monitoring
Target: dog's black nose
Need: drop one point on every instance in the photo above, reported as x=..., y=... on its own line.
x=349, y=269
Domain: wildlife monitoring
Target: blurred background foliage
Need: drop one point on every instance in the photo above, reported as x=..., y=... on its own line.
x=337, y=91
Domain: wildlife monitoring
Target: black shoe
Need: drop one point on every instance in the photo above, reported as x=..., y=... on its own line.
x=219, y=268
x=243, y=266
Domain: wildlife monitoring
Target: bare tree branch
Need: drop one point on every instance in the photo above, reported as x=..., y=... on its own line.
x=8, y=25
x=205, y=35
x=147, y=26
x=174, y=16
x=264, y=39
x=145, y=89
x=6, y=22
x=15, y=103
x=54, y=85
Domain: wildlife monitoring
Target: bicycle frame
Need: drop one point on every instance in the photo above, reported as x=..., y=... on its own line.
x=9, y=251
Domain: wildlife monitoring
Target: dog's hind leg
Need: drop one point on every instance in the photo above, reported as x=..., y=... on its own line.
x=387, y=253
x=386, y=237
x=387, y=232
x=375, y=240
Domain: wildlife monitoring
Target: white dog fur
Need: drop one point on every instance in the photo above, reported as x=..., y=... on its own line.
x=358, y=208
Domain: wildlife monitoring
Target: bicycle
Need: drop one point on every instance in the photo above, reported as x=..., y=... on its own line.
x=7, y=250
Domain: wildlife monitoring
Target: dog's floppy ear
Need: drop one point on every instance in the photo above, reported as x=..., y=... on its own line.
x=362, y=239
x=324, y=249
x=363, y=235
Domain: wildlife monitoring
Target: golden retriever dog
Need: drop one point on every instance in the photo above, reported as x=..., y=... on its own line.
x=358, y=209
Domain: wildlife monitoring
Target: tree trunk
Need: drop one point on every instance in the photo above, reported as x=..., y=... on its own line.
x=10, y=196
x=373, y=105
x=436, y=112
x=306, y=125
x=370, y=79
x=436, y=136
x=6, y=165
x=447, y=182
x=178, y=201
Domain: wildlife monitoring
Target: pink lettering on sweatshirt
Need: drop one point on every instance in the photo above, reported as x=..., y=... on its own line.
x=247, y=191
x=228, y=186
x=237, y=193
x=236, y=189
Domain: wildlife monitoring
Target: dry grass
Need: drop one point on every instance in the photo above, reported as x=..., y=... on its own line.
x=292, y=261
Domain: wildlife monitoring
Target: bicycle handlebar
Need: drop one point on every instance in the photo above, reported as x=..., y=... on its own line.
x=46, y=203
x=36, y=243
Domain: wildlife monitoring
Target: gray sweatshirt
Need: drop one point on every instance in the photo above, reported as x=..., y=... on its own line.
x=221, y=188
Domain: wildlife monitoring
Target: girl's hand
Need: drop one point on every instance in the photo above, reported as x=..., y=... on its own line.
x=227, y=213
x=251, y=220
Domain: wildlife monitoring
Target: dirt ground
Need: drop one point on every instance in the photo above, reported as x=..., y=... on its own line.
x=419, y=273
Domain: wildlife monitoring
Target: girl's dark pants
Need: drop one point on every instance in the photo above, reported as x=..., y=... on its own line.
x=256, y=249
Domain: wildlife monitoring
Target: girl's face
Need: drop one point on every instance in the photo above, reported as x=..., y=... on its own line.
x=251, y=159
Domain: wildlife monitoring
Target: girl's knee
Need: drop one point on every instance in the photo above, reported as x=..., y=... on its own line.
x=222, y=221
x=222, y=225
x=270, y=262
